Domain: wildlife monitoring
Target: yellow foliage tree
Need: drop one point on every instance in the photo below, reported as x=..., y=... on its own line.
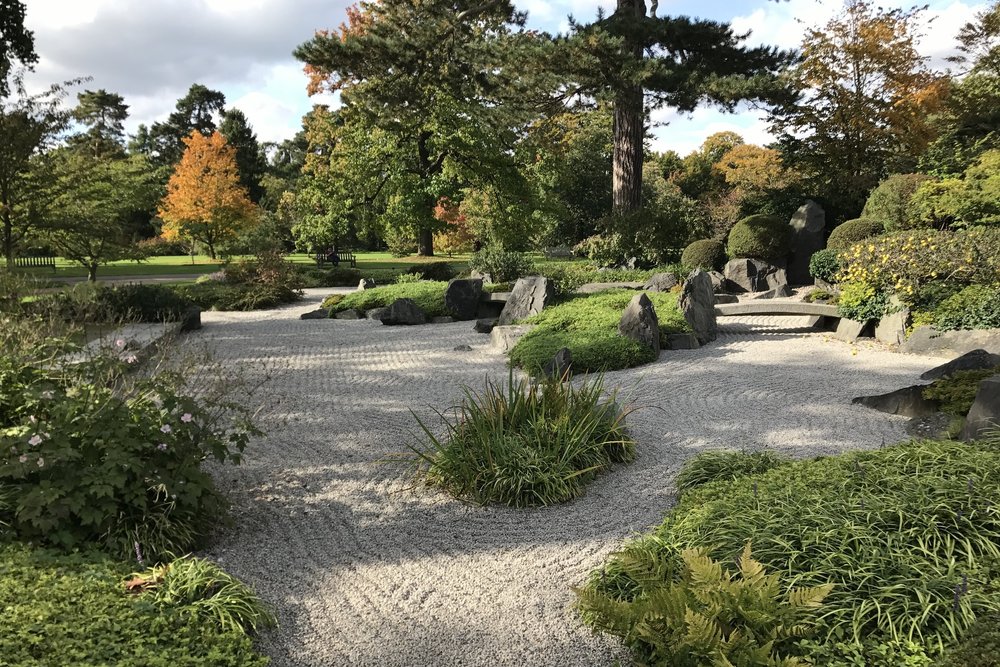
x=205, y=201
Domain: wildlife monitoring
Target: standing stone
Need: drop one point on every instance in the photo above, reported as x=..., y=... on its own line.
x=560, y=365
x=640, y=324
x=754, y=275
x=808, y=227
x=891, y=329
x=529, y=296
x=697, y=303
x=462, y=297
x=848, y=330
x=660, y=282
x=984, y=416
x=405, y=312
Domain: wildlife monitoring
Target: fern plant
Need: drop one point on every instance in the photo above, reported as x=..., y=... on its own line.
x=707, y=616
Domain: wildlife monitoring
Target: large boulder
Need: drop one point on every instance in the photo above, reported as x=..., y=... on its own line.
x=928, y=340
x=697, y=303
x=660, y=282
x=908, y=402
x=462, y=297
x=808, y=235
x=754, y=275
x=984, y=417
x=403, y=312
x=976, y=360
x=639, y=323
x=529, y=296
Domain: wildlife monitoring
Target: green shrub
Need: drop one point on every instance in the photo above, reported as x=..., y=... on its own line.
x=588, y=326
x=203, y=587
x=975, y=307
x=715, y=465
x=330, y=277
x=908, y=535
x=602, y=249
x=821, y=296
x=115, y=303
x=708, y=616
x=427, y=294
x=408, y=278
x=890, y=202
x=850, y=232
x=567, y=277
x=861, y=302
x=980, y=647
x=438, y=271
x=760, y=237
x=707, y=254
x=957, y=392
x=73, y=610
x=501, y=265
x=825, y=265
x=332, y=300
x=242, y=297
x=90, y=458
x=525, y=444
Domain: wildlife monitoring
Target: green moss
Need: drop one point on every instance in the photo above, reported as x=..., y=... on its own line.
x=427, y=294
x=588, y=326
x=957, y=392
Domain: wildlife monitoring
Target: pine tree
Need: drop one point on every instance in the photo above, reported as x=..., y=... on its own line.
x=104, y=115
x=249, y=157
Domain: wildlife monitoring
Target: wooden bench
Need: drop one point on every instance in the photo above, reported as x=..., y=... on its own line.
x=35, y=263
x=343, y=257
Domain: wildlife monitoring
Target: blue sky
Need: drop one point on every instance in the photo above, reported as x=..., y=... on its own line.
x=151, y=51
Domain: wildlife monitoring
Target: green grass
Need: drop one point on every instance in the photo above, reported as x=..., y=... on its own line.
x=427, y=294
x=73, y=610
x=588, y=326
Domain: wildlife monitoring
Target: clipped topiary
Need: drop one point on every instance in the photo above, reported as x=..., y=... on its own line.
x=890, y=202
x=854, y=231
x=825, y=265
x=763, y=237
x=707, y=254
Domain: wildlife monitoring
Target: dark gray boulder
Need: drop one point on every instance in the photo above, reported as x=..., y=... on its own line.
x=351, y=314
x=660, y=282
x=697, y=303
x=484, y=326
x=976, y=360
x=753, y=275
x=191, y=319
x=908, y=402
x=529, y=296
x=639, y=323
x=718, y=282
x=463, y=296
x=984, y=416
x=318, y=314
x=403, y=312
x=560, y=365
x=808, y=235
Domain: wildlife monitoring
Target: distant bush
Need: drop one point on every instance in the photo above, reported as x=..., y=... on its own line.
x=760, y=237
x=890, y=202
x=825, y=265
x=707, y=254
x=975, y=307
x=118, y=303
x=437, y=271
x=602, y=249
x=266, y=281
x=161, y=247
x=500, y=264
x=330, y=277
x=428, y=295
x=850, y=232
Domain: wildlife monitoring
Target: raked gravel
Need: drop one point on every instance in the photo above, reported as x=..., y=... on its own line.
x=363, y=570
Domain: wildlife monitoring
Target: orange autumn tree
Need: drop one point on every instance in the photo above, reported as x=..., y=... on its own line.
x=205, y=201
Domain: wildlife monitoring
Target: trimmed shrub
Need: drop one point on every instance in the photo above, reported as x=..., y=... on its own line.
x=825, y=265
x=850, y=232
x=525, y=444
x=588, y=326
x=438, y=271
x=332, y=277
x=888, y=528
x=707, y=254
x=602, y=249
x=712, y=466
x=975, y=307
x=760, y=237
x=890, y=202
x=72, y=610
x=118, y=303
x=224, y=296
x=427, y=294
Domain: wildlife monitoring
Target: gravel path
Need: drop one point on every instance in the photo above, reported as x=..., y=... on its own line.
x=363, y=571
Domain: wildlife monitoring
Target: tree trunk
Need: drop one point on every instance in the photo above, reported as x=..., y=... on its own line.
x=8, y=243
x=211, y=250
x=629, y=126
x=425, y=243
x=92, y=272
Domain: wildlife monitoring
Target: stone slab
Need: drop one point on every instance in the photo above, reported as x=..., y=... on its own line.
x=950, y=344
x=503, y=338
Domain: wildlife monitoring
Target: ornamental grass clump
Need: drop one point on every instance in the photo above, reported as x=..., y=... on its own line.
x=524, y=444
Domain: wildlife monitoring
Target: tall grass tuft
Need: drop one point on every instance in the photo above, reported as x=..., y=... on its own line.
x=524, y=444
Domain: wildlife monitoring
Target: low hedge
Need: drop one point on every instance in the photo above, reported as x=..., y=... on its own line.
x=975, y=307
x=429, y=295
x=588, y=326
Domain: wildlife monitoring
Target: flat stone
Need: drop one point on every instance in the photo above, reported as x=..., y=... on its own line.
x=976, y=360
x=848, y=330
x=984, y=416
x=485, y=326
x=503, y=338
x=682, y=341
x=781, y=292
x=403, y=312
x=753, y=275
x=561, y=364
x=318, y=314
x=594, y=288
x=376, y=313
x=462, y=348
x=908, y=402
x=529, y=296
x=462, y=297
x=661, y=282
x=697, y=303
x=640, y=324
x=726, y=298
x=352, y=314
x=769, y=307
x=950, y=344
x=442, y=319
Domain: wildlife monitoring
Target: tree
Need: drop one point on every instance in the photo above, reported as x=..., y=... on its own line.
x=205, y=201
x=195, y=112
x=979, y=42
x=432, y=83
x=16, y=43
x=249, y=156
x=645, y=62
x=863, y=112
x=28, y=125
x=104, y=115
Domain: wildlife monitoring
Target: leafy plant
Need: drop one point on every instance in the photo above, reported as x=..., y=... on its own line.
x=861, y=302
x=525, y=444
x=201, y=585
x=975, y=307
x=429, y=295
x=409, y=278
x=851, y=232
x=602, y=249
x=438, y=271
x=707, y=254
x=500, y=264
x=715, y=465
x=708, y=616
x=890, y=201
x=957, y=392
x=338, y=276
x=760, y=237
x=821, y=296
x=825, y=265
x=116, y=303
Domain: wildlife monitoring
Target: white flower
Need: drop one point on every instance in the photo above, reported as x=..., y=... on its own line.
x=41, y=461
x=120, y=343
x=165, y=428
x=131, y=359
x=35, y=440
x=186, y=418
x=47, y=393
x=162, y=446
x=23, y=458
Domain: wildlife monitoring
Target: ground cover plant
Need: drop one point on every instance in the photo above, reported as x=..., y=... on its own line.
x=265, y=281
x=427, y=294
x=588, y=326
x=524, y=444
x=908, y=535
x=957, y=392
x=73, y=609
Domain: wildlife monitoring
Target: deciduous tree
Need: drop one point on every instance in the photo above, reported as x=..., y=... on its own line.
x=17, y=44
x=205, y=201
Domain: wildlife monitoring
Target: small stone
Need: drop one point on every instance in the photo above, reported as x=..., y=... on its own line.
x=561, y=364
x=639, y=323
x=442, y=319
x=485, y=326
x=318, y=314
x=463, y=348
x=726, y=298
x=349, y=314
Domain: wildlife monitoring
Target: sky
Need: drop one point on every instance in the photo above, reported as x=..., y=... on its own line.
x=151, y=51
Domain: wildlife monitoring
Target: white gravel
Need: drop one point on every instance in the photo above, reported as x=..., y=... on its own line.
x=363, y=570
